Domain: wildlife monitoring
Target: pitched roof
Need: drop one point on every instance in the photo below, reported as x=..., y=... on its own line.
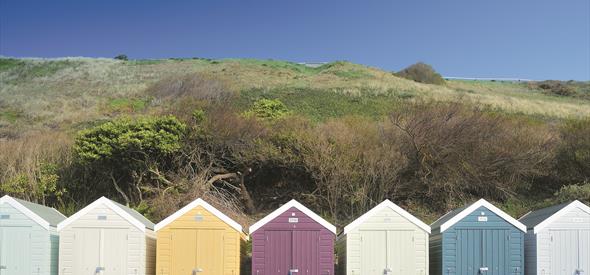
x=125, y=212
x=43, y=215
x=538, y=219
x=451, y=218
x=392, y=206
x=192, y=205
x=287, y=206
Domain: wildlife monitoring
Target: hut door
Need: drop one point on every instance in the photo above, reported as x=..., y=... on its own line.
x=306, y=252
x=278, y=251
x=400, y=252
x=209, y=252
x=183, y=251
x=373, y=252
x=483, y=252
x=496, y=252
x=114, y=251
x=86, y=251
x=569, y=251
x=469, y=252
x=584, y=250
x=15, y=250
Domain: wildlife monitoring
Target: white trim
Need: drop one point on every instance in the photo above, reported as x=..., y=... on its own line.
x=561, y=212
x=26, y=211
x=487, y=205
x=381, y=206
x=191, y=206
x=287, y=206
x=108, y=203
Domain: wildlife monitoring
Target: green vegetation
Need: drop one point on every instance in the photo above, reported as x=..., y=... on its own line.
x=9, y=115
x=155, y=134
x=126, y=105
x=9, y=63
x=268, y=109
x=319, y=105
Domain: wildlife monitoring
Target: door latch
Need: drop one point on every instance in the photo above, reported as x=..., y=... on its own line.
x=99, y=269
x=197, y=270
x=579, y=272
x=483, y=269
x=292, y=271
x=2, y=267
x=387, y=271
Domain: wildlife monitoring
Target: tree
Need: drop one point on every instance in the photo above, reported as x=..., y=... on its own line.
x=121, y=57
x=423, y=73
x=125, y=150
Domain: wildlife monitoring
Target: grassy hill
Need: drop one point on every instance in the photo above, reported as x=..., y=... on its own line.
x=60, y=92
x=340, y=137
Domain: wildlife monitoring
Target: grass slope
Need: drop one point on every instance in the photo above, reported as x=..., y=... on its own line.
x=56, y=93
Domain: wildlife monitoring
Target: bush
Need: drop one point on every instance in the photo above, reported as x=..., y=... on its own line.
x=556, y=87
x=121, y=57
x=573, y=160
x=423, y=73
x=268, y=109
x=125, y=152
x=574, y=192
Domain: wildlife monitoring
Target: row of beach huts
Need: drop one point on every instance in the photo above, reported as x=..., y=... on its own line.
x=108, y=238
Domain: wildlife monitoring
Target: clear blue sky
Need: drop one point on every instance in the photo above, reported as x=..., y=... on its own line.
x=536, y=39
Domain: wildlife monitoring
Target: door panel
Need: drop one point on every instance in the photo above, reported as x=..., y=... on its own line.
x=306, y=252
x=400, y=252
x=278, y=252
x=184, y=255
x=15, y=251
x=469, y=248
x=373, y=252
x=87, y=251
x=495, y=251
x=584, y=257
x=115, y=260
x=564, y=252
x=209, y=252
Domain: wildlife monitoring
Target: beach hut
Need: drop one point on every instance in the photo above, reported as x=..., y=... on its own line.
x=558, y=240
x=28, y=237
x=478, y=239
x=106, y=238
x=292, y=240
x=198, y=239
x=385, y=240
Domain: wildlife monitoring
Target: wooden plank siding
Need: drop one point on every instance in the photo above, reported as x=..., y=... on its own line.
x=136, y=253
x=304, y=223
x=444, y=247
x=576, y=219
x=387, y=220
x=43, y=244
x=207, y=221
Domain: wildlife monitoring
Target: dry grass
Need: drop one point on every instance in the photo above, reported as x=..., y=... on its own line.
x=26, y=156
x=41, y=94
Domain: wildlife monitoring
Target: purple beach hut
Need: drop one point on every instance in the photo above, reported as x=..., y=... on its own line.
x=293, y=240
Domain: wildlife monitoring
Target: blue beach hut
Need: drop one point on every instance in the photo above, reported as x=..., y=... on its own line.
x=478, y=239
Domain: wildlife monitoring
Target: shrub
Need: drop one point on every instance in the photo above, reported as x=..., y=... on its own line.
x=556, y=87
x=423, y=73
x=30, y=166
x=121, y=57
x=268, y=109
x=124, y=151
x=573, y=160
x=569, y=193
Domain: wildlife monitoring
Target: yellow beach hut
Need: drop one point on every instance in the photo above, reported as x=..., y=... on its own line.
x=198, y=239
